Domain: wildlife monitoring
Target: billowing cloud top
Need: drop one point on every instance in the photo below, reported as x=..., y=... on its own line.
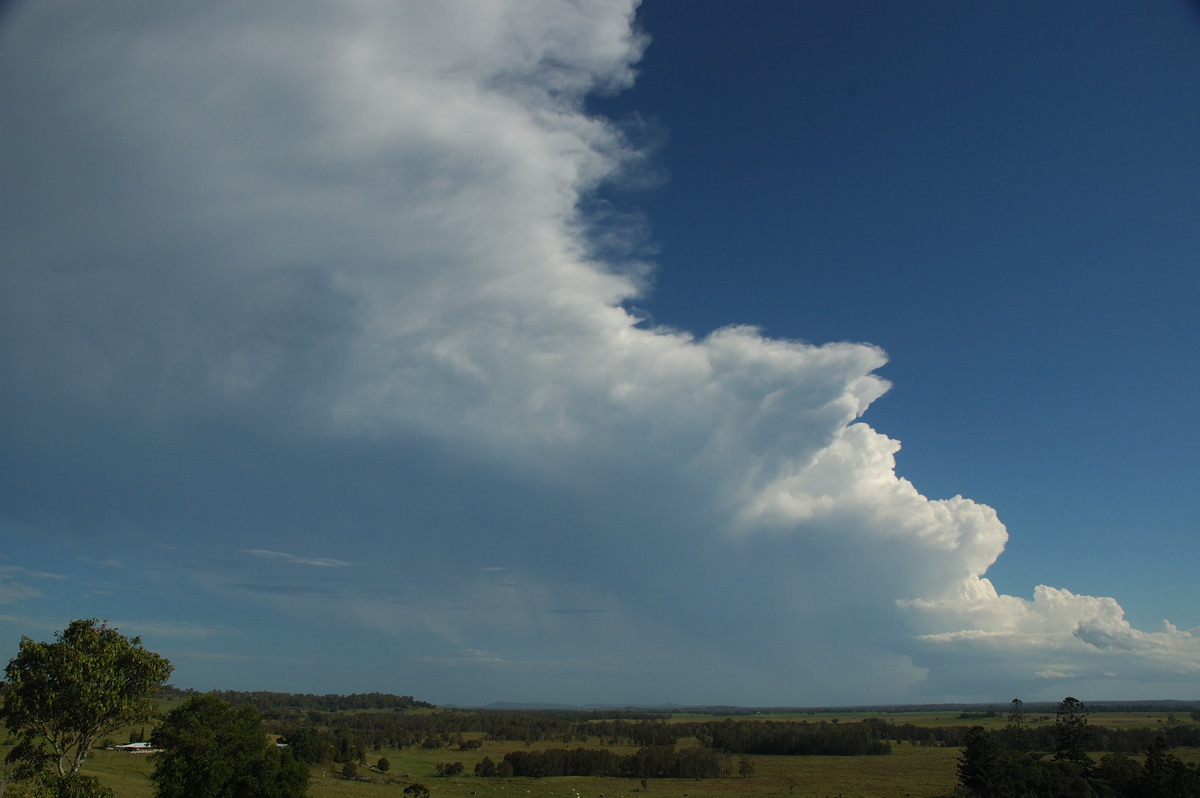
x=303, y=326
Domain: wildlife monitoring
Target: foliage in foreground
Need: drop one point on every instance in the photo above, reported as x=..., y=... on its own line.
x=53, y=785
x=66, y=695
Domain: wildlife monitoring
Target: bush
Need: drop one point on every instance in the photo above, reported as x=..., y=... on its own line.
x=71, y=785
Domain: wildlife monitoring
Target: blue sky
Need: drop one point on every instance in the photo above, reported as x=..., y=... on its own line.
x=563, y=351
x=1003, y=197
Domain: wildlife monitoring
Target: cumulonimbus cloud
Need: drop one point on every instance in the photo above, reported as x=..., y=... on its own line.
x=361, y=232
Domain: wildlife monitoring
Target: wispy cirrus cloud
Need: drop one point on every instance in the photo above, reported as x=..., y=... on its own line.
x=321, y=562
x=188, y=630
x=12, y=591
x=14, y=583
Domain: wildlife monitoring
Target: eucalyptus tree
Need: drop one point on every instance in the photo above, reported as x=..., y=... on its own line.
x=62, y=697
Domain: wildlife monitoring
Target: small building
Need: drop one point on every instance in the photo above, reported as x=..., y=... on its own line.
x=135, y=748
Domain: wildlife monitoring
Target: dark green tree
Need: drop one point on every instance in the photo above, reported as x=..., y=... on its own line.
x=310, y=745
x=1017, y=736
x=989, y=768
x=1119, y=774
x=1165, y=776
x=416, y=790
x=211, y=750
x=62, y=697
x=384, y=765
x=979, y=764
x=1072, y=733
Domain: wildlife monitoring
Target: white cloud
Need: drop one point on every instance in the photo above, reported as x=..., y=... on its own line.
x=331, y=263
x=13, y=588
x=8, y=571
x=319, y=562
x=11, y=591
x=1056, y=635
x=169, y=629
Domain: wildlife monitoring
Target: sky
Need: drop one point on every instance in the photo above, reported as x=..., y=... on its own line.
x=563, y=350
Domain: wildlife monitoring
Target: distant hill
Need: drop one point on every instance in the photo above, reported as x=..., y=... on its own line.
x=275, y=702
x=1131, y=705
x=268, y=701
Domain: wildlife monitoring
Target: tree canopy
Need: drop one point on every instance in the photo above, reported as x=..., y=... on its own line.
x=999, y=764
x=64, y=696
x=212, y=750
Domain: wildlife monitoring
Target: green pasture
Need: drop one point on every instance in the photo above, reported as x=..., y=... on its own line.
x=910, y=771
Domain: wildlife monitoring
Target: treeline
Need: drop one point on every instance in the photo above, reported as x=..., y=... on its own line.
x=342, y=734
x=990, y=768
x=1017, y=762
x=343, y=737
x=981, y=710
x=657, y=762
x=273, y=704
x=796, y=739
x=1127, y=741
x=456, y=729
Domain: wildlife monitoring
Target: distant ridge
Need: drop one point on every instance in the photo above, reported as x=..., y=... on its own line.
x=1131, y=705
x=268, y=700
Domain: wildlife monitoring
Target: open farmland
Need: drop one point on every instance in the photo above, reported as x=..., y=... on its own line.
x=927, y=772
x=916, y=768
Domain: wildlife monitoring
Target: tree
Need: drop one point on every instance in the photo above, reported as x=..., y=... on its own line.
x=384, y=765
x=66, y=695
x=211, y=750
x=1016, y=726
x=1120, y=774
x=979, y=763
x=1072, y=733
x=417, y=790
x=310, y=745
x=1165, y=776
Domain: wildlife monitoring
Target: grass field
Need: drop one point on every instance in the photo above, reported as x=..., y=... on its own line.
x=911, y=771
x=908, y=772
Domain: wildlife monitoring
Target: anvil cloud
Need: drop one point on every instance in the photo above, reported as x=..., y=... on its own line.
x=312, y=367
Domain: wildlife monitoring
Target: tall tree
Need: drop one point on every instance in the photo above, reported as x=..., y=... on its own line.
x=979, y=763
x=64, y=696
x=1016, y=726
x=211, y=750
x=1072, y=733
